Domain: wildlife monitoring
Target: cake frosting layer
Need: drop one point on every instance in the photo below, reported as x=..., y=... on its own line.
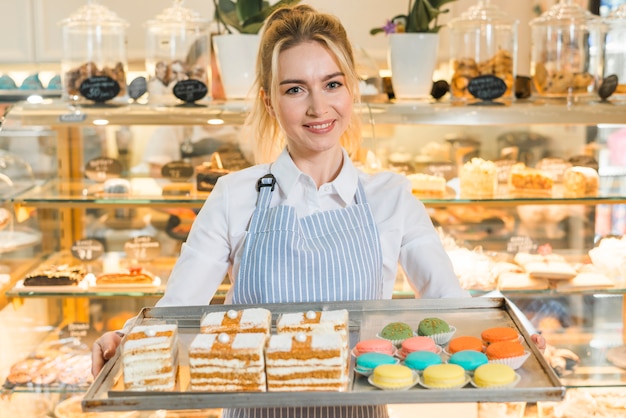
x=251, y=320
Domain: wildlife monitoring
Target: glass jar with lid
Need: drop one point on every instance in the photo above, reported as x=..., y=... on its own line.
x=94, y=63
x=567, y=47
x=177, y=56
x=615, y=48
x=483, y=41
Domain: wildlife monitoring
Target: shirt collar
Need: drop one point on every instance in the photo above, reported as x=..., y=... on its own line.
x=287, y=175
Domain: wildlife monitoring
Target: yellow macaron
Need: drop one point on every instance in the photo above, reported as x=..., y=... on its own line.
x=494, y=375
x=444, y=376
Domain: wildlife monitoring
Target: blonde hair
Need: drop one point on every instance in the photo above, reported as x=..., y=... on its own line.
x=285, y=28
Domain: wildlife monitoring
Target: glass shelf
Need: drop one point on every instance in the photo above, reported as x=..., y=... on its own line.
x=54, y=112
x=85, y=193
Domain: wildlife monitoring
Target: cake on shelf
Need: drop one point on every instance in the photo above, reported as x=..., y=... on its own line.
x=251, y=320
x=150, y=357
x=580, y=182
x=478, y=178
x=227, y=362
x=426, y=185
x=131, y=276
x=56, y=275
x=306, y=362
x=529, y=181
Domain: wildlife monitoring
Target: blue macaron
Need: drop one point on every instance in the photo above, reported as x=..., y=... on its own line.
x=367, y=362
x=468, y=359
x=419, y=360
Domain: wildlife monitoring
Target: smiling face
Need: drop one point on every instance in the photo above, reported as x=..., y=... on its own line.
x=313, y=104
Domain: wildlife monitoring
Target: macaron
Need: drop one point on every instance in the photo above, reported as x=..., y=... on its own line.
x=392, y=376
x=444, y=376
x=367, y=362
x=375, y=345
x=396, y=332
x=419, y=360
x=465, y=342
x=468, y=359
x=504, y=349
x=418, y=344
x=430, y=326
x=497, y=334
x=494, y=375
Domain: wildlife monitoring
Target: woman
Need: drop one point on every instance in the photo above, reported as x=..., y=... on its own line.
x=309, y=226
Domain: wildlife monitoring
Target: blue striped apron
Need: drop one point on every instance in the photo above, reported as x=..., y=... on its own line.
x=328, y=256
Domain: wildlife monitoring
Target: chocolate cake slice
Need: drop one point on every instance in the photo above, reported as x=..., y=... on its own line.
x=54, y=275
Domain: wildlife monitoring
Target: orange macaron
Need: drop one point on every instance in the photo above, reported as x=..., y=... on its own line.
x=465, y=342
x=499, y=334
x=504, y=349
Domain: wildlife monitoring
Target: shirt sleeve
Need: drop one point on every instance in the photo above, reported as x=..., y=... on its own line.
x=422, y=256
x=205, y=257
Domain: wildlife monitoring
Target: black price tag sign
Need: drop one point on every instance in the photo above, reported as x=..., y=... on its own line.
x=99, y=88
x=137, y=88
x=87, y=249
x=608, y=86
x=487, y=87
x=142, y=248
x=177, y=170
x=103, y=168
x=78, y=329
x=520, y=244
x=190, y=91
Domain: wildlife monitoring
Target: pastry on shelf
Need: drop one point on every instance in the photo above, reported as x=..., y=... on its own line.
x=478, y=178
x=426, y=185
x=56, y=275
x=525, y=181
x=580, y=182
x=134, y=275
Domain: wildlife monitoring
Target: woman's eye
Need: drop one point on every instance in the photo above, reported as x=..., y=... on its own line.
x=334, y=85
x=293, y=90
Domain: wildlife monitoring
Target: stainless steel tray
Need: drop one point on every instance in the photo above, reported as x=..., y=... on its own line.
x=470, y=316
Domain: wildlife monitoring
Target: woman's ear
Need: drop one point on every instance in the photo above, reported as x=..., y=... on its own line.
x=268, y=103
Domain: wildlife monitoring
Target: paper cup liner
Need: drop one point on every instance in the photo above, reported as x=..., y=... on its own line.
x=444, y=337
x=508, y=385
x=416, y=380
x=396, y=343
x=514, y=362
x=457, y=386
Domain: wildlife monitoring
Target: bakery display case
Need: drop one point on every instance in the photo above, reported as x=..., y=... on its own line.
x=126, y=222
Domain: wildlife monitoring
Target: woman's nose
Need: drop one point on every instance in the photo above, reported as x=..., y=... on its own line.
x=318, y=104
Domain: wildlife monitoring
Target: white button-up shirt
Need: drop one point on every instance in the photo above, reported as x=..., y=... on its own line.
x=216, y=240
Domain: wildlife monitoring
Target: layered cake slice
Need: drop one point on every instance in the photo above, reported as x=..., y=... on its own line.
x=150, y=357
x=227, y=362
x=306, y=362
x=316, y=322
x=252, y=320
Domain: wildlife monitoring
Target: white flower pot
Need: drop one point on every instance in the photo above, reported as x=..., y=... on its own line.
x=412, y=58
x=236, y=59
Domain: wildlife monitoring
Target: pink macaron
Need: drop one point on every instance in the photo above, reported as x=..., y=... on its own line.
x=418, y=343
x=374, y=346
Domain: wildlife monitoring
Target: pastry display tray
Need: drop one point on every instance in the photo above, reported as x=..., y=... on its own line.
x=470, y=316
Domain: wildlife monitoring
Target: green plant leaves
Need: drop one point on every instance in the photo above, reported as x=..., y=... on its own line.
x=246, y=16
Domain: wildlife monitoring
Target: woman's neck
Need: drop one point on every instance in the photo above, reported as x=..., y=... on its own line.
x=321, y=167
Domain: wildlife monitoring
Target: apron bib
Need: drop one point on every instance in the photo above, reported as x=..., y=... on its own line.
x=329, y=256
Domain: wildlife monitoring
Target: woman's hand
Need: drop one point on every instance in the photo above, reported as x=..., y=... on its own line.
x=539, y=341
x=103, y=349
